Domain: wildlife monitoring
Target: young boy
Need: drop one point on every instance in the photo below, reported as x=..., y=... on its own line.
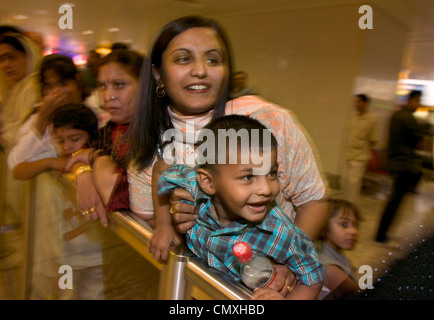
x=236, y=202
x=74, y=127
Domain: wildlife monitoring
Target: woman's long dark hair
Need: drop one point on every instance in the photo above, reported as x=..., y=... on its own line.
x=151, y=116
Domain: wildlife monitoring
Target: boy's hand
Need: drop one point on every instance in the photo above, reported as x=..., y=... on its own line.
x=162, y=239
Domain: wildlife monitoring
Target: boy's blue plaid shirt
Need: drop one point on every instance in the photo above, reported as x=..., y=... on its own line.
x=276, y=236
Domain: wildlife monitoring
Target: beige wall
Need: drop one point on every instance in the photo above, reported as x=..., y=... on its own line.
x=382, y=60
x=313, y=60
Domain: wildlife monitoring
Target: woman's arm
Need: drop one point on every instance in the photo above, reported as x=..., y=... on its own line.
x=338, y=282
x=164, y=234
x=303, y=292
x=87, y=196
x=104, y=177
x=312, y=218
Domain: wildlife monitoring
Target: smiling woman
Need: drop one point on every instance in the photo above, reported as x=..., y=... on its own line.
x=187, y=80
x=193, y=71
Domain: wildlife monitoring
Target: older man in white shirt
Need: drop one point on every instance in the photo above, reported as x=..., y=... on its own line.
x=362, y=135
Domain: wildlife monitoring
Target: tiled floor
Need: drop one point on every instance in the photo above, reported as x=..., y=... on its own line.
x=132, y=277
x=413, y=225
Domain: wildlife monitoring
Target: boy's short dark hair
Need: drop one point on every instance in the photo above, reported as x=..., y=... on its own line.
x=77, y=116
x=237, y=123
x=363, y=97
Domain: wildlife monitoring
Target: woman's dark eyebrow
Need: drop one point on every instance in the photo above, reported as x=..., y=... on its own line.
x=189, y=51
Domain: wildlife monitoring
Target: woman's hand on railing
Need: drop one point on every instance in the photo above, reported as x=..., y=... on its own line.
x=285, y=280
x=280, y=287
x=89, y=200
x=266, y=294
x=183, y=214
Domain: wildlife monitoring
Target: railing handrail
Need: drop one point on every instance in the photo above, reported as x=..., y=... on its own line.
x=182, y=277
x=195, y=272
x=213, y=283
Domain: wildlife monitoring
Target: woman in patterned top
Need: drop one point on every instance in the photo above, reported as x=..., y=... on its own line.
x=184, y=85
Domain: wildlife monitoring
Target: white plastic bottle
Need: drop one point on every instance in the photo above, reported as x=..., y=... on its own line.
x=257, y=270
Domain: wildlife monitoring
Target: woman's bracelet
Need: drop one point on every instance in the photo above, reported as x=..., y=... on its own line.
x=80, y=170
x=77, y=152
x=93, y=155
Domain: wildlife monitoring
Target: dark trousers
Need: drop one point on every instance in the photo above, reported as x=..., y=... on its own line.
x=403, y=182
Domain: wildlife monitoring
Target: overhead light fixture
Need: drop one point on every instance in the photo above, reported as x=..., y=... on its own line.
x=79, y=60
x=20, y=17
x=115, y=29
x=103, y=50
x=70, y=4
x=87, y=32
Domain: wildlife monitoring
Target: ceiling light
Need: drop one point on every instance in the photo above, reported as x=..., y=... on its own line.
x=20, y=17
x=87, y=32
x=113, y=29
x=70, y=4
x=103, y=51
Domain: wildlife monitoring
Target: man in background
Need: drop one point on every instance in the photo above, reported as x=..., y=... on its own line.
x=362, y=135
x=403, y=162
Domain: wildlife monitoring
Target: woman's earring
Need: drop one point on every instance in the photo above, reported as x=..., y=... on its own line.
x=160, y=91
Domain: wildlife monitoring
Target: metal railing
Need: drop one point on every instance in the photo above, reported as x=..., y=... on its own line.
x=183, y=277
x=14, y=224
